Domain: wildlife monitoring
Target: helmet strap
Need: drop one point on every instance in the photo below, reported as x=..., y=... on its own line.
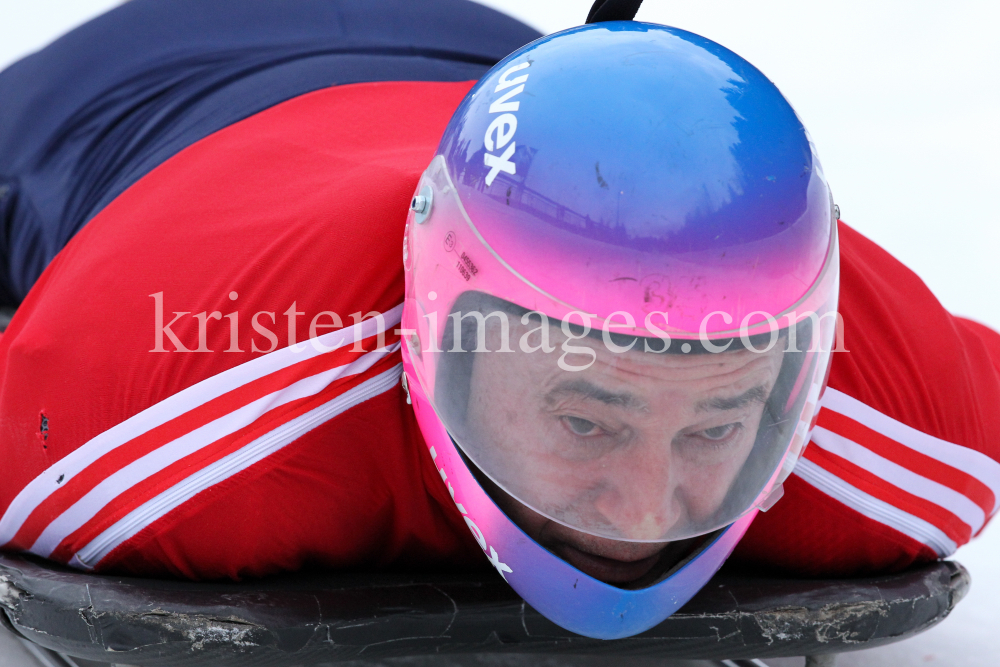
x=613, y=10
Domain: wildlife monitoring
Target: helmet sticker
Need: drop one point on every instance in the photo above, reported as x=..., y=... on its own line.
x=501, y=130
x=493, y=557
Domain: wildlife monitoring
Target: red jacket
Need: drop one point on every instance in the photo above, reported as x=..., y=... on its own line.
x=249, y=457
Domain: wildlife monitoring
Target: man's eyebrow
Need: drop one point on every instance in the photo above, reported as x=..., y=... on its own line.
x=757, y=394
x=587, y=389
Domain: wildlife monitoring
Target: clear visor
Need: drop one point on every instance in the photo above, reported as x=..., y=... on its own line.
x=629, y=436
x=633, y=445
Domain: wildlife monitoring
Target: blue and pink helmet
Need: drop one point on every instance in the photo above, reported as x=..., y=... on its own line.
x=621, y=289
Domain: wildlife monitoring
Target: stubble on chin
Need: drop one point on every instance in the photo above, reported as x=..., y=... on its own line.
x=625, y=564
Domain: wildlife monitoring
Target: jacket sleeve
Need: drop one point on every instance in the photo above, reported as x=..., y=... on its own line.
x=902, y=463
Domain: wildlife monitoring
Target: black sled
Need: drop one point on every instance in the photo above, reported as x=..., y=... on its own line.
x=334, y=617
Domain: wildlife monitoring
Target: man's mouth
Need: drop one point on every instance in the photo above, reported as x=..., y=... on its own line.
x=608, y=570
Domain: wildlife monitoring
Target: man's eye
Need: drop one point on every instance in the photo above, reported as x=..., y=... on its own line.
x=581, y=427
x=718, y=432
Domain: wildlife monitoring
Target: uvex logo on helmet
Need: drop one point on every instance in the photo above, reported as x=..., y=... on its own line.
x=501, y=131
x=476, y=532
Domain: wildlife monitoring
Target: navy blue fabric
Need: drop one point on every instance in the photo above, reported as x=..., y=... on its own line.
x=83, y=119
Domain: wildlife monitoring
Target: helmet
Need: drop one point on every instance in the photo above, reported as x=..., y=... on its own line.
x=621, y=289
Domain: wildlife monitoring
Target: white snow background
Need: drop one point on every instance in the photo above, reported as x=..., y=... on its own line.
x=903, y=103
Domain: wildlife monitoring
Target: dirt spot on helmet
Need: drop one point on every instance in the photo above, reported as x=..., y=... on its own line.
x=600, y=179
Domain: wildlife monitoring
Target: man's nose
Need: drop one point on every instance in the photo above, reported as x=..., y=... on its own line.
x=638, y=498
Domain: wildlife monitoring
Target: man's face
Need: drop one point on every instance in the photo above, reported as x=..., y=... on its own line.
x=638, y=445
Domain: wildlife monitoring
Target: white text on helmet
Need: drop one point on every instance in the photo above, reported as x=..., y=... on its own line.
x=501, y=131
x=476, y=532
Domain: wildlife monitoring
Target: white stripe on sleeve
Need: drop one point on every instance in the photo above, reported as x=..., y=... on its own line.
x=875, y=509
x=907, y=480
x=169, y=453
x=32, y=495
x=967, y=460
x=144, y=515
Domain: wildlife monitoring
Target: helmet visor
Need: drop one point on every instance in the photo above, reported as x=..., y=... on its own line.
x=602, y=425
